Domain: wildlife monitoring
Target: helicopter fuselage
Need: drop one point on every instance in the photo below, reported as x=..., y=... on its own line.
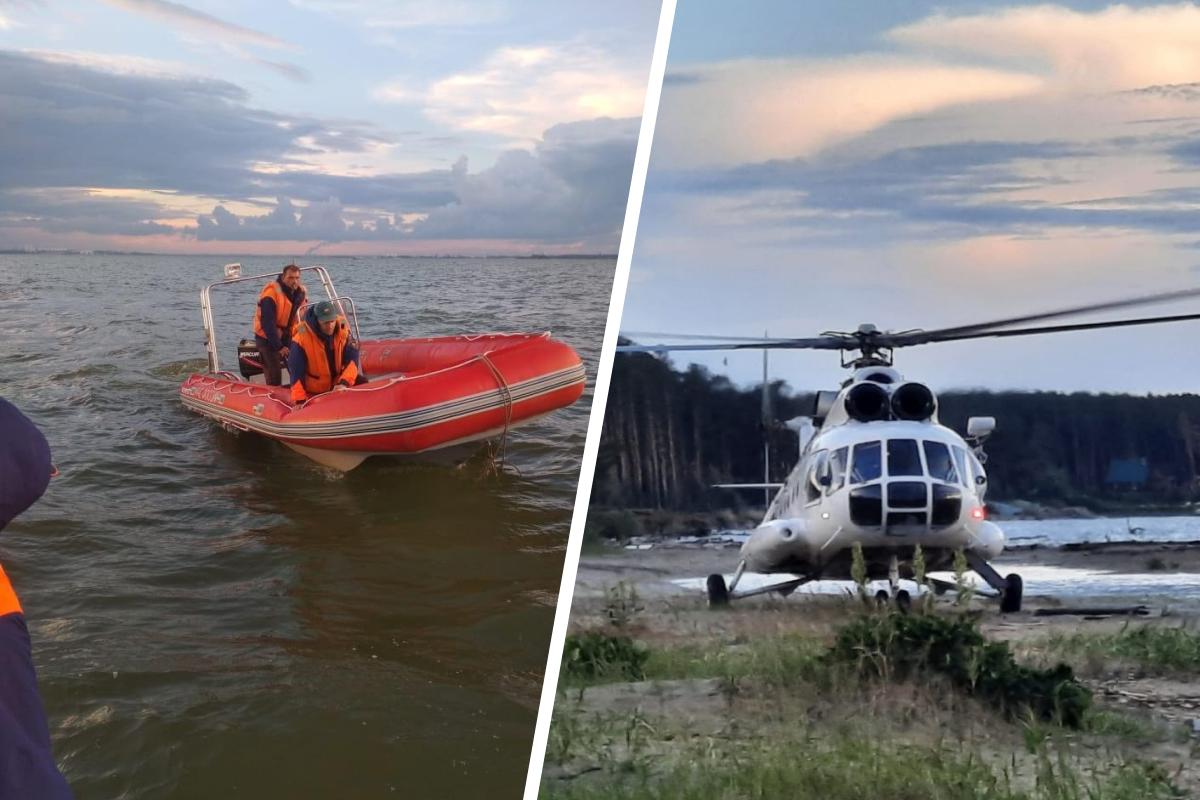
x=888, y=485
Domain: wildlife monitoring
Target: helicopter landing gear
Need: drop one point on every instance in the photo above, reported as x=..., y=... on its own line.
x=902, y=597
x=718, y=592
x=1011, y=588
x=881, y=598
x=1010, y=595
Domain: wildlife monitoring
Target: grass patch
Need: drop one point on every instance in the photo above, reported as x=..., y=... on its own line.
x=1104, y=722
x=596, y=657
x=852, y=769
x=778, y=661
x=899, y=646
x=1154, y=648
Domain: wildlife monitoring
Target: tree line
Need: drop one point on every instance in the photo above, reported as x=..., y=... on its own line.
x=670, y=434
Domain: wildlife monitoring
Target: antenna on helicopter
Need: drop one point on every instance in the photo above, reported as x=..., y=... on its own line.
x=766, y=431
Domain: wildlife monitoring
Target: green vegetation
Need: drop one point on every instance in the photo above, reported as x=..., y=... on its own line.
x=595, y=657
x=886, y=647
x=779, y=661
x=900, y=647
x=852, y=769
x=669, y=435
x=1155, y=649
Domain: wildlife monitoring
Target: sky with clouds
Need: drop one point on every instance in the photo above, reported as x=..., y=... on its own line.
x=821, y=165
x=352, y=126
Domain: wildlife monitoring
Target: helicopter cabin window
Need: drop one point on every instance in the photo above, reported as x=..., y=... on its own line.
x=837, y=469
x=903, y=457
x=976, y=472
x=866, y=465
x=960, y=460
x=941, y=466
x=818, y=469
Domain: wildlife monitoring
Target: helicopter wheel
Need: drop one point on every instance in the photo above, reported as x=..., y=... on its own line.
x=1010, y=596
x=903, y=601
x=881, y=597
x=718, y=592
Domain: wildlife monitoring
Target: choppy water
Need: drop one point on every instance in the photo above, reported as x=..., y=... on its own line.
x=214, y=616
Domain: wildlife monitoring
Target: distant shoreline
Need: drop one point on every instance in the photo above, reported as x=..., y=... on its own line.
x=531, y=257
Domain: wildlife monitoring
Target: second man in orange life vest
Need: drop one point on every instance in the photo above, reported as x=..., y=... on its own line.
x=323, y=357
x=275, y=321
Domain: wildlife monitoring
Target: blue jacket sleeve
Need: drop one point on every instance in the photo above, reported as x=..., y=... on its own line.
x=26, y=762
x=266, y=308
x=351, y=354
x=297, y=362
x=27, y=766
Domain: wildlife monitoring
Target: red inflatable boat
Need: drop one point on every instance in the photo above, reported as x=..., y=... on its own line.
x=423, y=394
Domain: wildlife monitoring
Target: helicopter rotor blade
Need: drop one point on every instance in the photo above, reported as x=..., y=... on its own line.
x=704, y=337
x=909, y=338
x=819, y=343
x=1078, y=326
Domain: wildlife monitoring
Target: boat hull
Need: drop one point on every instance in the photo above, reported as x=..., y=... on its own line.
x=423, y=395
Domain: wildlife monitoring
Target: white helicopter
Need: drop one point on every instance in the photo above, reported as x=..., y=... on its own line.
x=877, y=469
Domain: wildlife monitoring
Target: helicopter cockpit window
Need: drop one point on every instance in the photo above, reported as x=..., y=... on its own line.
x=941, y=466
x=818, y=468
x=837, y=469
x=867, y=465
x=903, y=457
x=977, y=473
x=960, y=460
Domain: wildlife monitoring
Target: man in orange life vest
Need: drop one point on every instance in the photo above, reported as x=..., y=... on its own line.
x=27, y=767
x=275, y=321
x=323, y=357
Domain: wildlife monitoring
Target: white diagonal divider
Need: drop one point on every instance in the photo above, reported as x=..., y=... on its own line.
x=591, y=447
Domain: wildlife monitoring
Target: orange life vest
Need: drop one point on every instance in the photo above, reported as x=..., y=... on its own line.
x=283, y=313
x=9, y=604
x=320, y=376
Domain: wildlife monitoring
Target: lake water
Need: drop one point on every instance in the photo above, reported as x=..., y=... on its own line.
x=215, y=616
x=1135, y=585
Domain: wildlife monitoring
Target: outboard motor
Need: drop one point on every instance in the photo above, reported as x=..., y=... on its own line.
x=913, y=401
x=867, y=402
x=249, y=361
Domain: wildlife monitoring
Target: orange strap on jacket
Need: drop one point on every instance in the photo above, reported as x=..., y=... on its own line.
x=9, y=603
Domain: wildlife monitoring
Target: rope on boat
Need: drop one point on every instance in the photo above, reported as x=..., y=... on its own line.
x=506, y=393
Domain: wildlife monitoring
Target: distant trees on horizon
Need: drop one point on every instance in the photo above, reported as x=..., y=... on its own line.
x=669, y=435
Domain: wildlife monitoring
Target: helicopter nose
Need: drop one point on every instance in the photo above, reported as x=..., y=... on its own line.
x=899, y=504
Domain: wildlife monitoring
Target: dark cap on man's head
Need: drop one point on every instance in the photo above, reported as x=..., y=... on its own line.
x=325, y=311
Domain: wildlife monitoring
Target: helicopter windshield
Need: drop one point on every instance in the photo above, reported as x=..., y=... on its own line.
x=903, y=458
x=941, y=462
x=941, y=466
x=837, y=468
x=960, y=460
x=867, y=465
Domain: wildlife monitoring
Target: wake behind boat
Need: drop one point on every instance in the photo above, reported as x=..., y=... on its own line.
x=424, y=395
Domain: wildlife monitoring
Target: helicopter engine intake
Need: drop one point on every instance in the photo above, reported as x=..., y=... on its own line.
x=867, y=402
x=913, y=401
